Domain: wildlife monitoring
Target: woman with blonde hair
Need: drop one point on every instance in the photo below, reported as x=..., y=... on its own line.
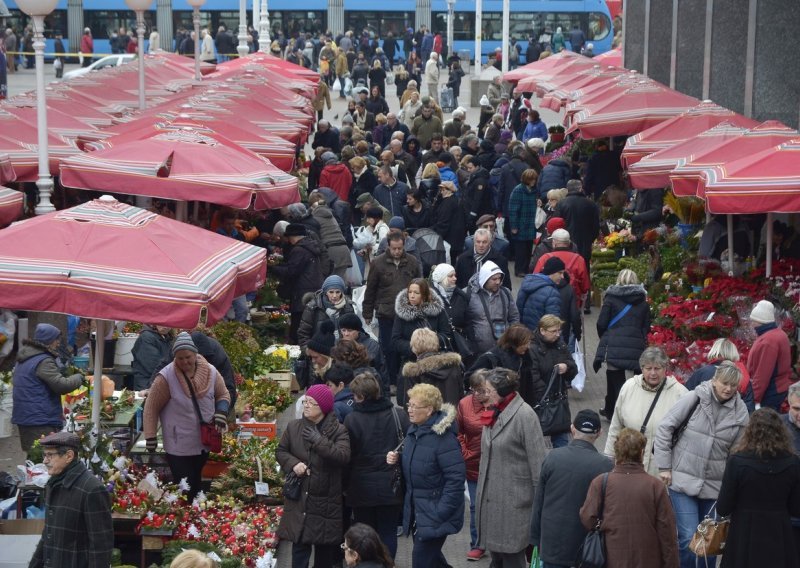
x=637, y=519
x=440, y=369
x=193, y=559
x=429, y=184
x=623, y=325
x=724, y=350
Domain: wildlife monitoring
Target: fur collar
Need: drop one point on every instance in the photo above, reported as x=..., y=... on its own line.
x=407, y=312
x=38, y=345
x=445, y=422
x=431, y=362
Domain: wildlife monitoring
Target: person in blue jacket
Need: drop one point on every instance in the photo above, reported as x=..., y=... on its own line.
x=539, y=293
x=434, y=473
x=536, y=127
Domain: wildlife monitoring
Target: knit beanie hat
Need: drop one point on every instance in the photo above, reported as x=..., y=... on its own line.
x=553, y=265
x=295, y=230
x=350, y=321
x=555, y=223
x=46, y=333
x=334, y=282
x=397, y=223
x=183, y=342
x=323, y=396
x=488, y=270
x=764, y=312
x=440, y=272
x=296, y=211
x=324, y=340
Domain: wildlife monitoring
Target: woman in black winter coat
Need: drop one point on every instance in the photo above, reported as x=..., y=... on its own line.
x=377, y=78
x=364, y=181
x=448, y=218
x=376, y=427
x=550, y=354
x=569, y=311
x=416, y=211
x=454, y=81
x=376, y=104
x=440, y=369
x=623, y=325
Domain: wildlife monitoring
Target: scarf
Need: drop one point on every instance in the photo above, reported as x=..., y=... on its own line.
x=479, y=258
x=445, y=292
x=490, y=416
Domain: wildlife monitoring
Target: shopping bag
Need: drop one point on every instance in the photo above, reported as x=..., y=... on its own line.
x=348, y=86
x=501, y=223
x=337, y=85
x=580, y=379
x=353, y=276
x=390, y=78
x=536, y=561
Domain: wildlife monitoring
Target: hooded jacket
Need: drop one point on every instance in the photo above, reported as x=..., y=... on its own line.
x=301, y=273
x=466, y=266
x=151, y=353
x=501, y=308
x=341, y=212
x=554, y=175
x=622, y=344
x=434, y=473
x=698, y=459
x=409, y=318
x=442, y=370
x=538, y=296
x=315, y=313
x=332, y=238
x=338, y=177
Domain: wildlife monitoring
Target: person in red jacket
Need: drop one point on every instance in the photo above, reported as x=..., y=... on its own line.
x=770, y=360
x=336, y=176
x=470, y=427
x=574, y=262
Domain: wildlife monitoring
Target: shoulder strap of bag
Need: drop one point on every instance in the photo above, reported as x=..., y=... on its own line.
x=620, y=315
x=553, y=376
x=678, y=432
x=652, y=407
x=194, y=398
x=602, y=500
x=397, y=425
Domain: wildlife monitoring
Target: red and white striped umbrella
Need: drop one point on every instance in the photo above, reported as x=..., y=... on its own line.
x=11, y=203
x=7, y=173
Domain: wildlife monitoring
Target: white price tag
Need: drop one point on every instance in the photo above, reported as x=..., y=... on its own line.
x=262, y=488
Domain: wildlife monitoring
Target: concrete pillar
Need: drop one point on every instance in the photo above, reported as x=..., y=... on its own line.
x=74, y=25
x=423, y=13
x=336, y=16
x=166, y=34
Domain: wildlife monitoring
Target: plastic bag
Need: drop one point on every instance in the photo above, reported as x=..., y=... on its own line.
x=33, y=474
x=353, y=276
x=580, y=379
x=501, y=223
x=358, y=302
x=362, y=237
x=337, y=85
x=390, y=78
x=348, y=86
x=8, y=329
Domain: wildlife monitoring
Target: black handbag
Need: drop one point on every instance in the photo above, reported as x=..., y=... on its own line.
x=292, y=486
x=397, y=471
x=592, y=553
x=553, y=409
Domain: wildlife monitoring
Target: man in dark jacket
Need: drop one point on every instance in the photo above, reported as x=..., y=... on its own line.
x=602, y=169
x=77, y=528
x=326, y=137
x=470, y=261
x=647, y=210
x=151, y=353
x=476, y=195
x=563, y=483
x=577, y=38
x=389, y=273
x=301, y=273
x=390, y=193
x=582, y=217
x=510, y=176
x=539, y=293
x=214, y=353
x=554, y=175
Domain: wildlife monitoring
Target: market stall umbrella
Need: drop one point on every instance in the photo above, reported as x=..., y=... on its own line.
x=547, y=80
x=62, y=124
x=11, y=203
x=285, y=68
x=107, y=260
x=680, y=128
x=688, y=179
x=612, y=57
x=7, y=173
x=654, y=170
x=575, y=87
x=20, y=143
x=184, y=165
x=602, y=91
x=631, y=111
x=545, y=64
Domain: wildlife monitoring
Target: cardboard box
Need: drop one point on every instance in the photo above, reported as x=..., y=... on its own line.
x=22, y=526
x=258, y=429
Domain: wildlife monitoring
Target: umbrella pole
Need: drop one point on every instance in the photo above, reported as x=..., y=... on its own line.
x=769, y=245
x=97, y=387
x=181, y=211
x=730, y=244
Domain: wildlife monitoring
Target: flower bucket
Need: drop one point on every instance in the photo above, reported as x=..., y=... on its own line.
x=556, y=137
x=214, y=469
x=123, y=354
x=685, y=230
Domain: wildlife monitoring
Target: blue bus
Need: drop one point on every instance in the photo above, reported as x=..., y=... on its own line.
x=529, y=19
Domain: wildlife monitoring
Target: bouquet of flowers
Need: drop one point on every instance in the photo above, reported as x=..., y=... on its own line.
x=239, y=480
x=620, y=239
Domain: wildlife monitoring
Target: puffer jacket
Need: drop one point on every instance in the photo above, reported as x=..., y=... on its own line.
x=622, y=345
x=698, y=459
x=331, y=236
x=317, y=517
x=338, y=177
x=538, y=296
x=633, y=403
x=442, y=370
x=384, y=281
x=315, y=314
x=302, y=272
x=545, y=356
x=470, y=429
x=373, y=433
x=409, y=318
x=554, y=175
x=479, y=329
x=434, y=473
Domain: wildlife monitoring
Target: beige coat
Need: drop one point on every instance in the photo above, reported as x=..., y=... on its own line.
x=632, y=406
x=512, y=452
x=323, y=97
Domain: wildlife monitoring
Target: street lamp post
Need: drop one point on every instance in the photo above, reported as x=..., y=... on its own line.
x=263, y=27
x=139, y=6
x=37, y=10
x=451, y=8
x=242, y=48
x=506, y=35
x=196, y=4
x=478, y=32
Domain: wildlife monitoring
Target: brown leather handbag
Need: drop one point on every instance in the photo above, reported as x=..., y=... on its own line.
x=710, y=536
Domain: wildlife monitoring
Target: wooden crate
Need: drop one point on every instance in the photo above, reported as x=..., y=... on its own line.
x=286, y=379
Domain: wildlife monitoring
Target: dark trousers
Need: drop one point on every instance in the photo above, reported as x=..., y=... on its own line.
x=385, y=326
x=428, y=553
x=323, y=555
x=294, y=325
x=522, y=256
x=614, y=381
x=772, y=398
x=383, y=520
x=29, y=434
x=190, y=467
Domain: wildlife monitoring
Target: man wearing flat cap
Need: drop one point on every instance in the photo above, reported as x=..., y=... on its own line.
x=300, y=274
x=38, y=386
x=563, y=483
x=78, y=531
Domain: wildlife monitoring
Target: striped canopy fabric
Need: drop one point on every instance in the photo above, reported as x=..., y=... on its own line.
x=7, y=173
x=105, y=259
x=612, y=57
x=186, y=165
x=10, y=205
x=575, y=88
x=548, y=80
x=19, y=141
x=531, y=69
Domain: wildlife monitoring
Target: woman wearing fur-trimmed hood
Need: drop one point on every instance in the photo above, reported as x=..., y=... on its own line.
x=442, y=370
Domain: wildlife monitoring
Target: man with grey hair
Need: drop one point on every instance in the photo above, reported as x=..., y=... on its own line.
x=792, y=419
x=390, y=193
x=432, y=76
x=393, y=125
x=493, y=130
x=455, y=127
x=410, y=163
x=563, y=483
x=326, y=136
x=471, y=260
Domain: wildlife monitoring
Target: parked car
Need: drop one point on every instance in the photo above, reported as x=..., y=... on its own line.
x=107, y=61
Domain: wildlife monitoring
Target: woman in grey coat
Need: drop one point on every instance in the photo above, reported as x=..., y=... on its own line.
x=692, y=446
x=331, y=235
x=512, y=452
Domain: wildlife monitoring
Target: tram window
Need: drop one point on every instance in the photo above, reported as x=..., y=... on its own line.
x=463, y=25
x=105, y=22
x=293, y=23
x=380, y=23
x=523, y=25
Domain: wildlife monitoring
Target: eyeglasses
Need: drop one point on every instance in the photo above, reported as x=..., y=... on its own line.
x=481, y=392
x=309, y=402
x=415, y=406
x=553, y=331
x=50, y=455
